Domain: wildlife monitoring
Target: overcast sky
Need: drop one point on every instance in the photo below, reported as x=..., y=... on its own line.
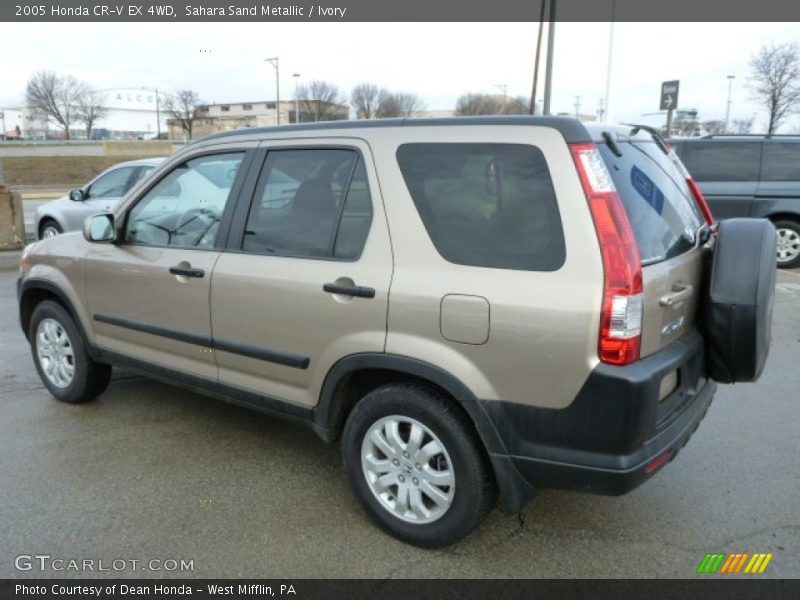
x=438, y=61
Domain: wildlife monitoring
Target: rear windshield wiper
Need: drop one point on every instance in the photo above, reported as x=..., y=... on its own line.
x=611, y=143
x=662, y=145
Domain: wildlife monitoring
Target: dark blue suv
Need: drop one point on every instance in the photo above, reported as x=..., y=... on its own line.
x=750, y=176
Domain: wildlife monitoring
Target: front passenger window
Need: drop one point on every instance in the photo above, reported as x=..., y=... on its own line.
x=185, y=207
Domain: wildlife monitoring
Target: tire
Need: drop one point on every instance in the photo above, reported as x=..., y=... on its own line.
x=69, y=373
x=740, y=299
x=788, y=244
x=49, y=228
x=463, y=462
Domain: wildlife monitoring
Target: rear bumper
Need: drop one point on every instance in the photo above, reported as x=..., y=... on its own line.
x=605, y=440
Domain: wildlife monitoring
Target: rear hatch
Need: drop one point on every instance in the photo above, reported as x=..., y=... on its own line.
x=668, y=227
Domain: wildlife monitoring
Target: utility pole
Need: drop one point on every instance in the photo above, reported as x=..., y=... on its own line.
x=296, y=98
x=158, y=117
x=274, y=61
x=548, y=71
x=607, y=107
x=532, y=109
x=577, y=107
x=504, y=88
x=728, y=109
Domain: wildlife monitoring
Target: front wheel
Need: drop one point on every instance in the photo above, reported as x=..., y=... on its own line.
x=788, y=244
x=49, y=229
x=417, y=465
x=60, y=356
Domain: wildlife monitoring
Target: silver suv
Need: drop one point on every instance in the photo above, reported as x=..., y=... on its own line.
x=472, y=306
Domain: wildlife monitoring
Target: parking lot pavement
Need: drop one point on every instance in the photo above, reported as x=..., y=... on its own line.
x=152, y=472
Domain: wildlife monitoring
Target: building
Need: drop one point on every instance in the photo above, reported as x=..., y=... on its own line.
x=213, y=118
x=132, y=113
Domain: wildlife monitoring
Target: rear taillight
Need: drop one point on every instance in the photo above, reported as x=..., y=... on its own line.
x=621, y=317
x=699, y=199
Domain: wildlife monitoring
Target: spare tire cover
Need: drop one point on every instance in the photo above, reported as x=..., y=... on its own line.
x=738, y=306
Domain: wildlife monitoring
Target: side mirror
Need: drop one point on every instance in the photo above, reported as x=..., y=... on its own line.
x=77, y=195
x=99, y=228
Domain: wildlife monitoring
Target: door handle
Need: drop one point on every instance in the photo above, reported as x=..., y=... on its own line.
x=678, y=295
x=187, y=271
x=349, y=290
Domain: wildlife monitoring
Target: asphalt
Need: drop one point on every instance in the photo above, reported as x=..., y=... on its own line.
x=152, y=472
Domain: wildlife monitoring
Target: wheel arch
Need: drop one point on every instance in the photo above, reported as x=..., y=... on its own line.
x=355, y=375
x=34, y=291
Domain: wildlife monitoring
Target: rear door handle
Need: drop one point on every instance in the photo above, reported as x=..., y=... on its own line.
x=678, y=295
x=349, y=290
x=187, y=271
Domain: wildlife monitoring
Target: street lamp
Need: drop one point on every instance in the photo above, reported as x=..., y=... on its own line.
x=274, y=62
x=158, y=111
x=728, y=109
x=296, y=98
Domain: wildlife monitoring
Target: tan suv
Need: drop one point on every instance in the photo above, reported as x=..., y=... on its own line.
x=471, y=305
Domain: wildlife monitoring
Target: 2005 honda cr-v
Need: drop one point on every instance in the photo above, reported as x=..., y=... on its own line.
x=471, y=305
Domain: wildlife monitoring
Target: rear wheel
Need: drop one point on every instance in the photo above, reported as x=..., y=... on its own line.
x=788, y=244
x=416, y=464
x=60, y=356
x=49, y=228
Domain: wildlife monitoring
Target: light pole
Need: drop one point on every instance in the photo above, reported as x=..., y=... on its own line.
x=548, y=66
x=274, y=62
x=158, y=111
x=728, y=109
x=296, y=98
x=607, y=103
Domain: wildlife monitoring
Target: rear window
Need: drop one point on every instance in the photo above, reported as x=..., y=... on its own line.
x=722, y=161
x=659, y=204
x=486, y=205
x=780, y=162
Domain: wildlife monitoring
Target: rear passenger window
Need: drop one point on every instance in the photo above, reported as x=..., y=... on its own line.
x=310, y=203
x=722, y=161
x=486, y=205
x=780, y=162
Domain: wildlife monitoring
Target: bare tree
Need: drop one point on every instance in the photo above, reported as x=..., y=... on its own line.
x=401, y=104
x=55, y=97
x=477, y=104
x=90, y=108
x=181, y=107
x=369, y=100
x=743, y=125
x=714, y=127
x=487, y=104
x=320, y=101
x=686, y=127
x=775, y=81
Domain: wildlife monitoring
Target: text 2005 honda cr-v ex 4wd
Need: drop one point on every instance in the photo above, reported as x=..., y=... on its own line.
x=473, y=306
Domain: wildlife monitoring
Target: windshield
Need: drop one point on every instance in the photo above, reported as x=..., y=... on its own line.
x=658, y=201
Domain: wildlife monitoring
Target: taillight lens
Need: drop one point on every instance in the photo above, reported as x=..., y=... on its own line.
x=701, y=201
x=621, y=317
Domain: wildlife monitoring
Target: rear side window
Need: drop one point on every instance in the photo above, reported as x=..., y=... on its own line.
x=781, y=162
x=658, y=202
x=486, y=205
x=312, y=203
x=722, y=161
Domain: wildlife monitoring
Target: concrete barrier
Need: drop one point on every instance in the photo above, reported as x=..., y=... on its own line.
x=12, y=220
x=138, y=148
